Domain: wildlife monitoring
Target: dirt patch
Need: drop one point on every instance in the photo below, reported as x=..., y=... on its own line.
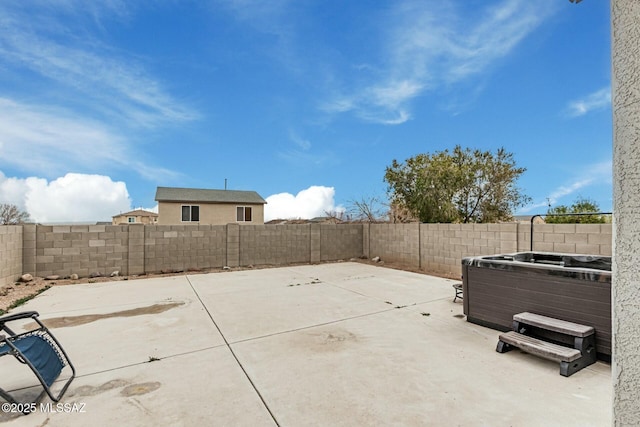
x=127, y=389
x=15, y=292
x=138, y=389
x=89, y=390
x=66, y=321
x=327, y=341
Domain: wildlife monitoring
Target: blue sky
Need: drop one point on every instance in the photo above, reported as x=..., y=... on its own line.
x=305, y=102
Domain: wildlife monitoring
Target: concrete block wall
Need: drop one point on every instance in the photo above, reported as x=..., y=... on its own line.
x=139, y=249
x=398, y=243
x=29, y=248
x=183, y=247
x=81, y=249
x=11, y=241
x=315, y=239
x=440, y=247
x=592, y=239
x=341, y=241
x=233, y=245
x=444, y=245
x=135, y=250
x=275, y=244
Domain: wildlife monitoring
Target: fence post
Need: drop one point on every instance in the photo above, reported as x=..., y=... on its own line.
x=233, y=245
x=29, y=249
x=315, y=236
x=135, y=264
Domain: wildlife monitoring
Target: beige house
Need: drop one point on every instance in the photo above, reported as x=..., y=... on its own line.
x=138, y=216
x=214, y=207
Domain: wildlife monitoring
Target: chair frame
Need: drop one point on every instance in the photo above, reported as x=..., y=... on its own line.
x=459, y=292
x=43, y=331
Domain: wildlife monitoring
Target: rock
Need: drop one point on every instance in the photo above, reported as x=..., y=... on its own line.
x=226, y=267
x=95, y=274
x=52, y=277
x=26, y=277
x=375, y=259
x=73, y=277
x=115, y=274
x=353, y=259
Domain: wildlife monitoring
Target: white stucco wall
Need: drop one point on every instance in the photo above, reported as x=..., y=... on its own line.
x=625, y=16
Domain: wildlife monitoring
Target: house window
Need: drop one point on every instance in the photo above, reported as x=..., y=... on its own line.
x=131, y=219
x=243, y=214
x=190, y=213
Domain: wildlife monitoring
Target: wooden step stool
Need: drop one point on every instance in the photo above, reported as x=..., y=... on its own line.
x=571, y=344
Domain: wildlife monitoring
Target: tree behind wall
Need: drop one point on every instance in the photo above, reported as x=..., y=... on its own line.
x=10, y=214
x=367, y=209
x=460, y=186
x=558, y=215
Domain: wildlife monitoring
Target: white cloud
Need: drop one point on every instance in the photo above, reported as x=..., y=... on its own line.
x=302, y=143
x=57, y=46
x=48, y=140
x=431, y=44
x=71, y=198
x=39, y=40
x=309, y=203
x=592, y=174
x=598, y=100
x=35, y=138
x=153, y=209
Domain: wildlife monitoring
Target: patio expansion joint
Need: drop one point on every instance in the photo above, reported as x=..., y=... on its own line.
x=378, y=299
x=255, y=388
x=317, y=325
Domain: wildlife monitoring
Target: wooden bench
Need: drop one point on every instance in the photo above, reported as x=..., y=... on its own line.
x=571, y=344
x=458, y=288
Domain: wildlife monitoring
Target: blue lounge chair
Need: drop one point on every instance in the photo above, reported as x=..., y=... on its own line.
x=39, y=350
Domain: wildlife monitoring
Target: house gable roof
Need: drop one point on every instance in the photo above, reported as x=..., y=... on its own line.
x=173, y=194
x=137, y=212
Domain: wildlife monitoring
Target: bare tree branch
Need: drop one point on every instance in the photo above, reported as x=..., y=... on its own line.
x=10, y=214
x=369, y=209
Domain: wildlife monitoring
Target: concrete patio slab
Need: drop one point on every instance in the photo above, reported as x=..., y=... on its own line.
x=403, y=368
x=105, y=296
x=329, y=344
x=280, y=304
x=199, y=388
x=400, y=291
x=135, y=320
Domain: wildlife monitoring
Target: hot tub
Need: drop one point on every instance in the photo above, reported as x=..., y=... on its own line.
x=576, y=288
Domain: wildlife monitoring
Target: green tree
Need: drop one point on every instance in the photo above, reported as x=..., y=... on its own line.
x=457, y=186
x=10, y=214
x=558, y=215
